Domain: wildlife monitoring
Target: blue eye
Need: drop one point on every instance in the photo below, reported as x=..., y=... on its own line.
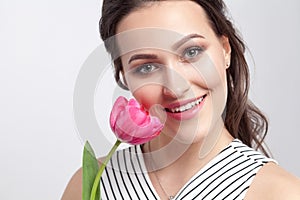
x=145, y=69
x=191, y=52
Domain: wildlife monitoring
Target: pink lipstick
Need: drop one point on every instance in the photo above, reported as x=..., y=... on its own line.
x=186, y=109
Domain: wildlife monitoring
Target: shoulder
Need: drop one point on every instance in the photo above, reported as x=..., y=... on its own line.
x=273, y=182
x=74, y=188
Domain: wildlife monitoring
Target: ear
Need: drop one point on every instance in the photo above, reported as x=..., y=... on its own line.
x=227, y=50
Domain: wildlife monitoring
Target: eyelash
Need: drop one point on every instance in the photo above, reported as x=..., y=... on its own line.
x=198, y=50
x=139, y=69
x=184, y=57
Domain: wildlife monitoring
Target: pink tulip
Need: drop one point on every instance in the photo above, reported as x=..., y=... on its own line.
x=132, y=124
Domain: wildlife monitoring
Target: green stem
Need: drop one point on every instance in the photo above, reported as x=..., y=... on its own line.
x=101, y=169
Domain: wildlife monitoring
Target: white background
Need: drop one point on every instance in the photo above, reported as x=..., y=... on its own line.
x=43, y=45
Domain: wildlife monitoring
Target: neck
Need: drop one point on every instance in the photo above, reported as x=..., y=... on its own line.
x=164, y=160
x=173, y=155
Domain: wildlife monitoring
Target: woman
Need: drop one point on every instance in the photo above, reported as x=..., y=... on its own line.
x=184, y=62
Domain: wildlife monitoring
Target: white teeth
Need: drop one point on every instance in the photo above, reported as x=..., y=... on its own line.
x=187, y=106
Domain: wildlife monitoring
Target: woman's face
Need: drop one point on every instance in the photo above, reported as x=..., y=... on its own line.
x=175, y=66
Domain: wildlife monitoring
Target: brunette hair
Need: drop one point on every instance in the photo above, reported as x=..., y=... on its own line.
x=243, y=119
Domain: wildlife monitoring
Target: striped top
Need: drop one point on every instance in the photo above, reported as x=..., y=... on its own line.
x=227, y=176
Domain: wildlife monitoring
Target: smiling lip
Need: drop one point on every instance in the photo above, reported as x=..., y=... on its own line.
x=187, y=109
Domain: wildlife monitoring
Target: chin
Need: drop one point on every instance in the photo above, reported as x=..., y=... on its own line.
x=186, y=134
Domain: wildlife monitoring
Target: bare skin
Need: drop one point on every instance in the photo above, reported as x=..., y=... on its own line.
x=272, y=182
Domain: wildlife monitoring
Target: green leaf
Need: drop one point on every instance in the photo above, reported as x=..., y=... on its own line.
x=90, y=168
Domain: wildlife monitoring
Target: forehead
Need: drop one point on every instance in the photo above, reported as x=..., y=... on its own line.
x=160, y=24
x=165, y=14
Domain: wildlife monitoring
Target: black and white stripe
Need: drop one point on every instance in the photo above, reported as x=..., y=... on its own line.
x=227, y=176
x=126, y=177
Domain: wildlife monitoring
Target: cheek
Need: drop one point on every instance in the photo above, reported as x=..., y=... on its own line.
x=148, y=95
x=212, y=74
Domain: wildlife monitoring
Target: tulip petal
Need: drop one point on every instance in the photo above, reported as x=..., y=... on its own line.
x=132, y=124
x=118, y=106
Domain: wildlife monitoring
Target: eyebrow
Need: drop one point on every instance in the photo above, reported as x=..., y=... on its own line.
x=175, y=46
x=142, y=56
x=185, y=39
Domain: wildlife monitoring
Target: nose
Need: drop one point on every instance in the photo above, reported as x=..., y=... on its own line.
x=175, y=84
